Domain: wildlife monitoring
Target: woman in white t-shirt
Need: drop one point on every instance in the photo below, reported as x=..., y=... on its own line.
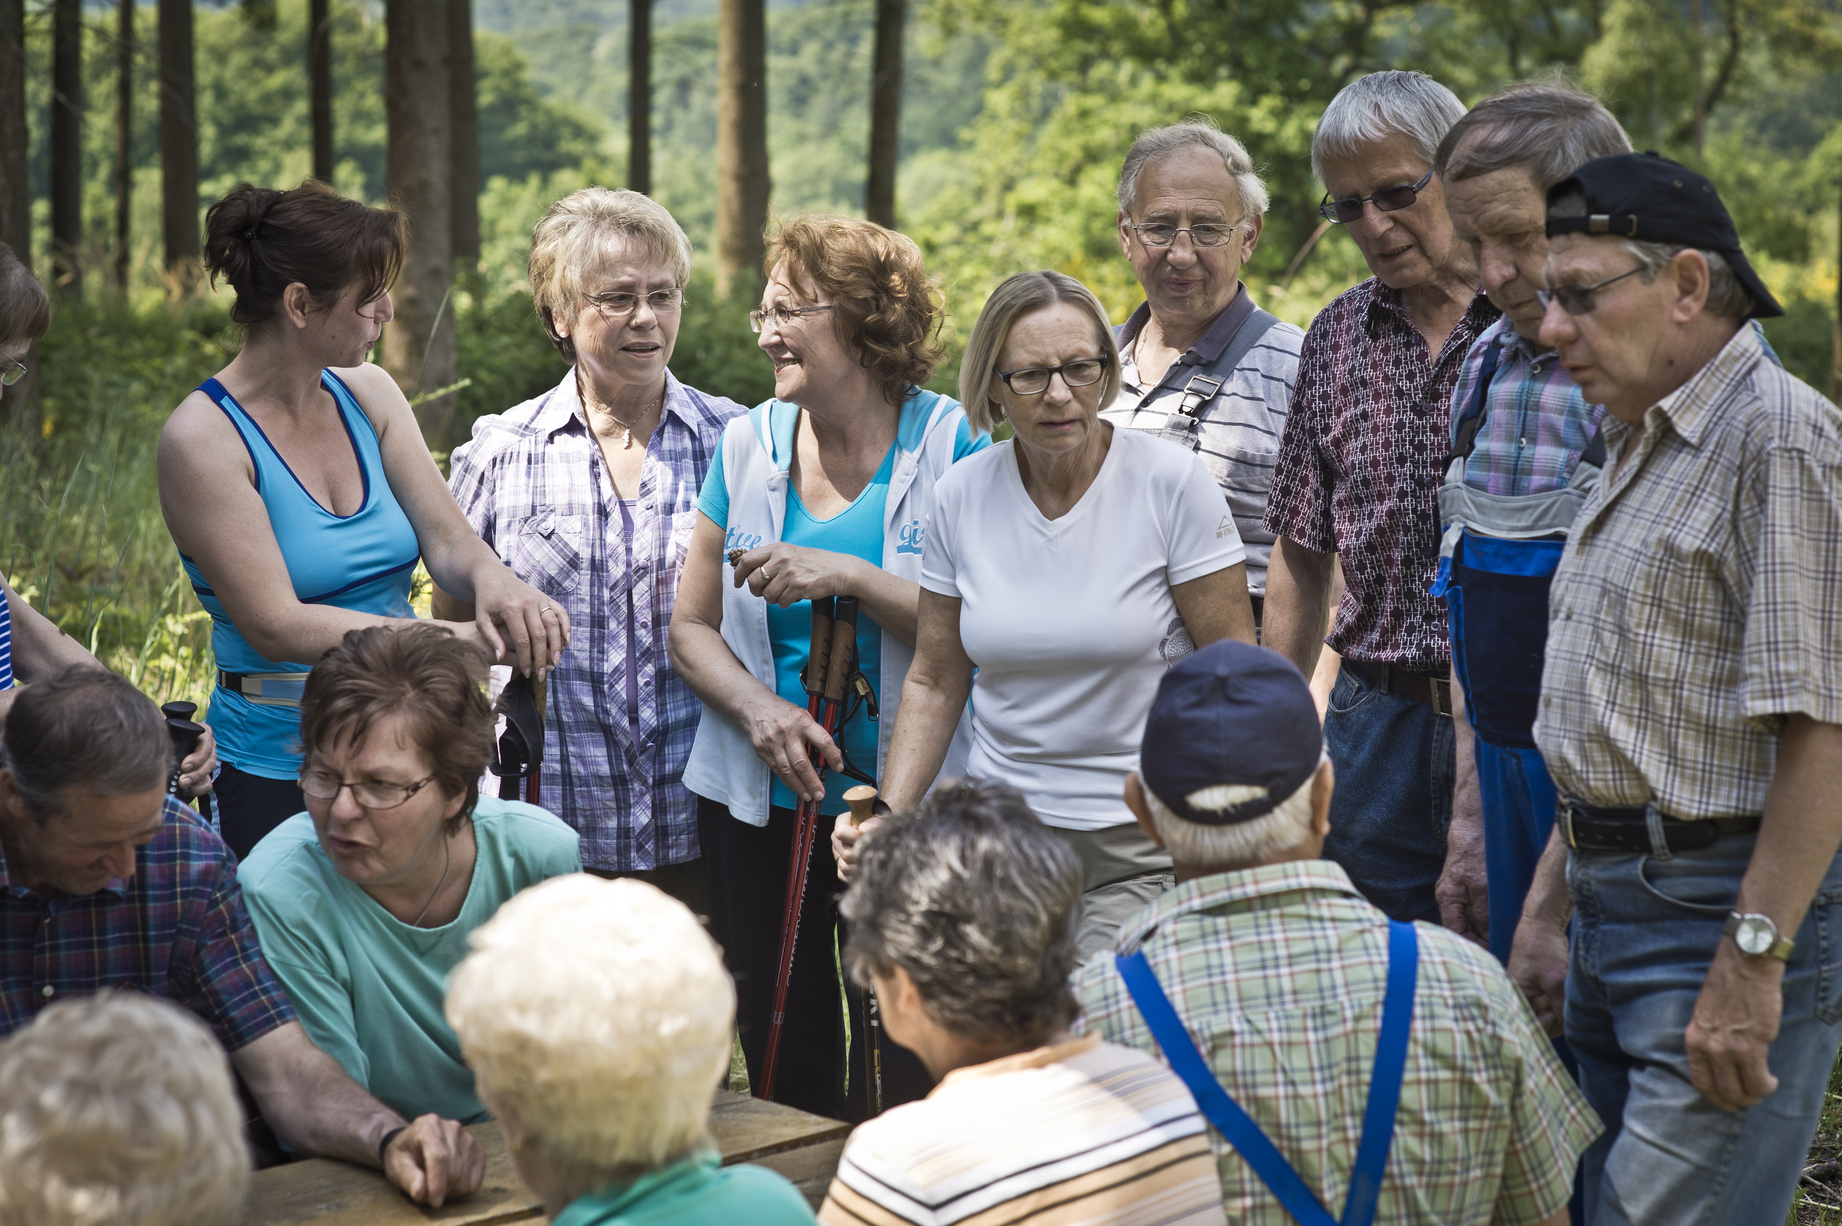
x=1070, y=566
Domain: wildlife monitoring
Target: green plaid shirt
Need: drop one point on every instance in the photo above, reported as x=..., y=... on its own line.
x=1280, y=971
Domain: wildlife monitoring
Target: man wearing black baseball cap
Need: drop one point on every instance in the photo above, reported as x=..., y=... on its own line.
x=1311, y=1006
x=1691, y=714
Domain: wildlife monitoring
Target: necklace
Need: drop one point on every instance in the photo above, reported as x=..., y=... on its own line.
x=626, y=427
x=447, y=862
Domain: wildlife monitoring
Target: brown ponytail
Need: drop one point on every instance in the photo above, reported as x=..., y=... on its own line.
x=262, y=240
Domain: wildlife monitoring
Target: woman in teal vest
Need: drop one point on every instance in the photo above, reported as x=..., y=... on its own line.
x=299, y=490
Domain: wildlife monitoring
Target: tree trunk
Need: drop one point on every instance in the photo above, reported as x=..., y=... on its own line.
x=741, y=146
x=320, y=85
x=178, y=145
x=124, y=135
x=639, y=97
x=885, y=113
x=15, y=186
x=419, y=343
x=466, y=121
x=67, y=144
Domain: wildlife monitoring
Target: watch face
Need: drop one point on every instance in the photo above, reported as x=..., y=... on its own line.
x=1753, y=936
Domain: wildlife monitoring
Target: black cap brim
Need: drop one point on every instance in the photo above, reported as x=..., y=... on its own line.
x=1764, y=306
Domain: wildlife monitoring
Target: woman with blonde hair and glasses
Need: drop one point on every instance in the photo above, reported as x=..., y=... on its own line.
x=824, y=491
x=589, y=493
x=1070, y=566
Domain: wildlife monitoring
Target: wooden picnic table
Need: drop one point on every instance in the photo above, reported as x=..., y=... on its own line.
x=325, y=1192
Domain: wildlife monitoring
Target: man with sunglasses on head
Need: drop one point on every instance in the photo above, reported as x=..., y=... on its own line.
x=1199, y=363
x=1691, y=711
x=1356, y=483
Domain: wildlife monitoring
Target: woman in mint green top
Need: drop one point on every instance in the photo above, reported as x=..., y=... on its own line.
x=300, y=491
x=598, y=1017
x=364, y=903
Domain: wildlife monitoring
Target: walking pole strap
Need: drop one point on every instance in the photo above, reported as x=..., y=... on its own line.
x=1245, y=1135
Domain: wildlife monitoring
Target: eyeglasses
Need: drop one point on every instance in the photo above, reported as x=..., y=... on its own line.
x=782, y=315
x=1208, y=234
x=12, y=372
x=322, y=785
x=1034, y=380
x=621, y=305
x=1388, y=200
x=1578, y=299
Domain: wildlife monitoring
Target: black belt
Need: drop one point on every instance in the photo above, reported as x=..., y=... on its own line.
x=1591, y=828
x=1424, y=688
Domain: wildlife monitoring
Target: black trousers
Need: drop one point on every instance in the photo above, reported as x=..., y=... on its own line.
x=249, y=806
x=747, y=868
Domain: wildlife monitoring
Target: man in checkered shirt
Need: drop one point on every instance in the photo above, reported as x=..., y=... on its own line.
x=1691, y=713
x=1277, y=968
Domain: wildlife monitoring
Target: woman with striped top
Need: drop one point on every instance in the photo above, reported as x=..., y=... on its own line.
x=963, y=915
x=299, y=490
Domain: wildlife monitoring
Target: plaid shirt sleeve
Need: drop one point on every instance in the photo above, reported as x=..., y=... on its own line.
x=231, y=983
x=1791, y=656
x=1299, y=503
x=467, y=481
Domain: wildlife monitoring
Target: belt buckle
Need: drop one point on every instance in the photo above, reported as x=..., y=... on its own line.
x=1565, y=817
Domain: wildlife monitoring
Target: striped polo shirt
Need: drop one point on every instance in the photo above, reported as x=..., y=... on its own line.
x=1081, y=1131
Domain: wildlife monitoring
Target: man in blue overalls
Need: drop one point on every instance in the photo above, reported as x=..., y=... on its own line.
x=1525, y=453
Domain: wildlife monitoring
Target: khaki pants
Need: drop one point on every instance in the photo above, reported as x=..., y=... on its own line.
x=1121, y=871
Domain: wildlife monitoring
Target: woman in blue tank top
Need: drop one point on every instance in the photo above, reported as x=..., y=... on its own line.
x=299, y=490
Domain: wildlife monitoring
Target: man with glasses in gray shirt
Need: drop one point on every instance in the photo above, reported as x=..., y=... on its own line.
x=1200, y=364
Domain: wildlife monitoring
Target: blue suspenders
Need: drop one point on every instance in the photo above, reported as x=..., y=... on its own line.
x=1245, y=1135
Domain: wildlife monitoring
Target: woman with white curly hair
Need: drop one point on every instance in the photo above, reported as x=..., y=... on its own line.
x=597, y=1018
x=119, y=1109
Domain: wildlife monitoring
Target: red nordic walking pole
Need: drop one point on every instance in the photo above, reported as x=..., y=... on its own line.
x=833, y=674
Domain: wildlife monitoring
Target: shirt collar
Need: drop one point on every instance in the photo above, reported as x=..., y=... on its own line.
x=1214, y=339
x=1386, y=305
x=1690, y=407
x=563, y=406
x=1247, y=887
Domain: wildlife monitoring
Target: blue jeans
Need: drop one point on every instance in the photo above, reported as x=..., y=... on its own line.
x=1393, y=759
x=1645, y=928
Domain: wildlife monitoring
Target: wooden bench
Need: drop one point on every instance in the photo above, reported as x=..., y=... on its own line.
x=323, y=1192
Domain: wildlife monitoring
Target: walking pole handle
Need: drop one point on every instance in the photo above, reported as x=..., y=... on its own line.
x=860, y=799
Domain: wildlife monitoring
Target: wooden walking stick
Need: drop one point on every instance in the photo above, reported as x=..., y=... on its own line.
x=828, y=648
x=860, y=799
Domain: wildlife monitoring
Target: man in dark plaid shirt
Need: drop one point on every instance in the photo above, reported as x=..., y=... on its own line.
x=106, y=882
x=1358, y=480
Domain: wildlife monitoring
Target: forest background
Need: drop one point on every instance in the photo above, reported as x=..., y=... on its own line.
x=1014, y=118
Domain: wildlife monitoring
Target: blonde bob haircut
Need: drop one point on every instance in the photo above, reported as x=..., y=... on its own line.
x=570, y=245
x=1018, y=296
x=596, y=1016
x=1220, y=848
x=119, y=1109
x=883, y=307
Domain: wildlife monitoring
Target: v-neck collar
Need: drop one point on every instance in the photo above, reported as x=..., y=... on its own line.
x=1108, y=462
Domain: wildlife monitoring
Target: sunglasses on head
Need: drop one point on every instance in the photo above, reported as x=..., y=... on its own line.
x=1388, y=200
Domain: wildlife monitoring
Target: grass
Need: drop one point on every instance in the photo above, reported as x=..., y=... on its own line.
x=1819, y=1196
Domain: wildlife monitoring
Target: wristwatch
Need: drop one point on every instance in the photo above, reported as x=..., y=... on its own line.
x=1757, y=936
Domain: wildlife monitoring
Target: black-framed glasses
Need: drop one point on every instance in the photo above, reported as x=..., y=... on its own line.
x=619, y=305
x=12, y=372
x=1034, y=380
x=324, y=785
x=1578, y=299
x=782, y=315
x=1388, y=200
x=1207, y=234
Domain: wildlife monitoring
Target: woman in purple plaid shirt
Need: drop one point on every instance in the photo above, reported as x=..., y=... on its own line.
x=588, y=493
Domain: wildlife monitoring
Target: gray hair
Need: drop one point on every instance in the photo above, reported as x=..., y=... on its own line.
x=119, y=1108
x=1726, y=296
x=1384, y=104
x=1019, y=295
x=569, y=244
x=1219, y=848
x=84, y=726
x=1196, y=132
x=979, y=902
x=1549, y=128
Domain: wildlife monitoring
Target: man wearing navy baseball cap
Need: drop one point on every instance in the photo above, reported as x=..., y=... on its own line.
x=1312, y=1007
x=1691, y=715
